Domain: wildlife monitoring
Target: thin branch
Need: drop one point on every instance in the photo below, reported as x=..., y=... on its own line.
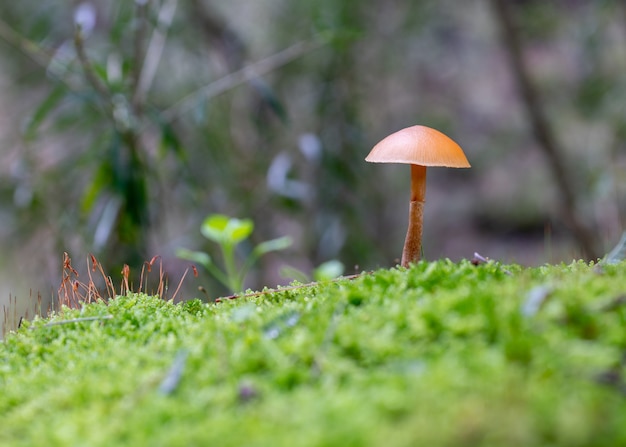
x=88, y=70
x=542, y=130
x=221, y=36
x=141, y=27
x=154, y=51
x=239, y=77
x=34, y=52
x=25, y=46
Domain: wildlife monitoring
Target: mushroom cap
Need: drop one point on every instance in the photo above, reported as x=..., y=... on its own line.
x=419, y=145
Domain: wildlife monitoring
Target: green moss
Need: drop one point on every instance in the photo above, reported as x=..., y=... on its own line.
x=442, y=354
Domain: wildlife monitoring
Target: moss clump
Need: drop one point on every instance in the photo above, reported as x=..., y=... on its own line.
x=441, y=354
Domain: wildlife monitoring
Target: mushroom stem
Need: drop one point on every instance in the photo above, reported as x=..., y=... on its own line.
x=418, y=183
x=413, y=241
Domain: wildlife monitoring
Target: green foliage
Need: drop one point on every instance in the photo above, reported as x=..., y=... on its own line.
x=441, y=354
x=227, y=233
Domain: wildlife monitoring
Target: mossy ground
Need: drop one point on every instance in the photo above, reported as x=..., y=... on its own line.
x=442, y=354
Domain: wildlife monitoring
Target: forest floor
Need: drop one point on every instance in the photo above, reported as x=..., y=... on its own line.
x=441, y=354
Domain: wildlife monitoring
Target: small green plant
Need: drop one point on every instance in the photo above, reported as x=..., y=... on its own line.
x=228, y=232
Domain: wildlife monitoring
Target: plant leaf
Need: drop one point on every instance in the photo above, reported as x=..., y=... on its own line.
x=170, y=142
x=198, y=257
x=214, y=227
x=280, y=243
x=239, y=229
x=226, y=230
x=98, y=184
x=44, y=109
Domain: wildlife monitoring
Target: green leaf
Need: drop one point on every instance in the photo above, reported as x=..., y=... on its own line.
x=225, y=230
x=280, y=243
x=239, y=229
x=214, y=227
x=170, y=142
x=197, y=257
x=104, y=178
x=44, y=109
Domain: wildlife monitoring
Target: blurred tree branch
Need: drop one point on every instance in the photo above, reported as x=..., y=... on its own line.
x=90, y=74
x=229, y=44
x=139, y=35
x=25, y=46
x=542, y=130
x=154, y=51
x=242, y=76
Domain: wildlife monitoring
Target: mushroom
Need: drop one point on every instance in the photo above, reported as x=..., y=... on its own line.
x=419, y=146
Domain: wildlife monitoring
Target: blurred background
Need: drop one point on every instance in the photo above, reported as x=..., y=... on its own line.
x=125, y=123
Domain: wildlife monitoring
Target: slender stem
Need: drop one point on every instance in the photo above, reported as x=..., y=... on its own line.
x=413, y=241
x=36, y=53
x=418, y=183
x=228, y=252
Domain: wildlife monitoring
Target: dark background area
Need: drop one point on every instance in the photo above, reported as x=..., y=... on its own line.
x=119, y=140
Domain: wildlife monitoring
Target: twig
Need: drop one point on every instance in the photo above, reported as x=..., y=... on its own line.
x=27, y=47
x=141, y=26
x=88, y=70
x=219, y=34
x=246, y=74
x=154, y=51
x=542, y=130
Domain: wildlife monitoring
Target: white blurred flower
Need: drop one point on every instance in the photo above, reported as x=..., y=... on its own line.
x=279, y=182
x=310, y=146
x=85, y=17
x=114, y=68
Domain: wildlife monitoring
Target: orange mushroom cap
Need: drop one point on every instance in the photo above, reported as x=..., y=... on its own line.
x=419, y=145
